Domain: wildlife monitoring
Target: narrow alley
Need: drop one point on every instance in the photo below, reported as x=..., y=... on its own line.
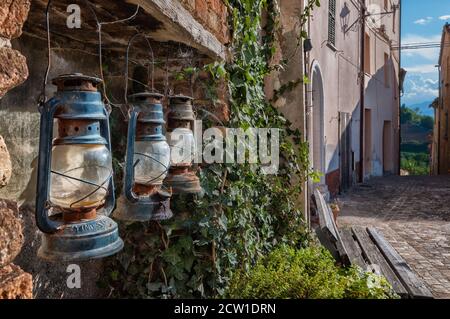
x=413, y=213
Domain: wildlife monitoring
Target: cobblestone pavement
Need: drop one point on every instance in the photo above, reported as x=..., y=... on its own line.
x=413, y=214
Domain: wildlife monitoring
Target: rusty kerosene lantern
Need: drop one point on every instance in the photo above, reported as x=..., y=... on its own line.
x=147, y=161
x=75, y=191
x=181, y=177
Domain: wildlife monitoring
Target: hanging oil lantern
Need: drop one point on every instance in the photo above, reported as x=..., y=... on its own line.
x=147, y=161
x=181, y=177
x=75, y=191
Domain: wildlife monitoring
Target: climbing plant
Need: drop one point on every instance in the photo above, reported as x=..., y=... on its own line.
x=242, y=213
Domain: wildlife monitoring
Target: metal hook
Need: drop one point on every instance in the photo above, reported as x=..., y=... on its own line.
x=127, y=62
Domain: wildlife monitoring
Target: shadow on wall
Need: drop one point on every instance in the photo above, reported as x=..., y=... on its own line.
x=382, y=110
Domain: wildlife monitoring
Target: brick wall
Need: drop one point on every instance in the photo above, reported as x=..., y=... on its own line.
x=212, y=14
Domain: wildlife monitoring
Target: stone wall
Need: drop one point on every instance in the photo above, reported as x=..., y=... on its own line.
x=14, y=282
x=291, y=103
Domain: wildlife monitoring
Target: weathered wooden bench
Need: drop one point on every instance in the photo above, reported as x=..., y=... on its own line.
x=368, y=249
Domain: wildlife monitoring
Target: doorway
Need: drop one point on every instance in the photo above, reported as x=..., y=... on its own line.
x=345, y=150
x=387, y=148
x=367, y=142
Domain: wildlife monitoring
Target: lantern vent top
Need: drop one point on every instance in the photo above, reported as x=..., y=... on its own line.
x=76, y=82
x=180, y=99
x=180, y=108
x=152, y=97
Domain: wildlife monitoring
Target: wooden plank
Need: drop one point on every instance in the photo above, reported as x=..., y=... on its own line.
x=374, y=257
x=326, y=223
x=180, y=26
x=325, y=231
x=353, y=249
x=412, y=283
x=329, y=228
x=342, y=249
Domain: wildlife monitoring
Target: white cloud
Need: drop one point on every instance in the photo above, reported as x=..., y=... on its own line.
x=422, y=68
x=431, y=54
x=424, y=21
x=419, y=87
x=431, y=82
x=446, y=17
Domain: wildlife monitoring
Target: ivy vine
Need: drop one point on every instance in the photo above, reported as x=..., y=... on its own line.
x=242, y=214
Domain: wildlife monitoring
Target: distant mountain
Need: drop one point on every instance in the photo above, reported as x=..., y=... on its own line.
x=424, y=108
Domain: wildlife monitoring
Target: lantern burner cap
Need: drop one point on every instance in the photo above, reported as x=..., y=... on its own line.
x=152, y=96
x=76, y=82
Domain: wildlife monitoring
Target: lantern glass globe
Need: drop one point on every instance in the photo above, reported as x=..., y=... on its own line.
x=80, y=176
x=182, y=147
x=152, y=160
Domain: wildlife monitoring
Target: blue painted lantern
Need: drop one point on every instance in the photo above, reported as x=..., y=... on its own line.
x=147, y=161
x=75, y=190
x=181, y=117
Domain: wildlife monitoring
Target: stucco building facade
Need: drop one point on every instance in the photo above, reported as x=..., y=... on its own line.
x=352, y=101
x=440, y=154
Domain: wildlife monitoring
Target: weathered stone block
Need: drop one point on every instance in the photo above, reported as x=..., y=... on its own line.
x=4, y=42
x=13, y=69
x=189, y=4
x=13, y=14
x=201, y=8
x=216, y=5
x=15, y=283
x=11, y=237
x=5, y=164
x=213, y=21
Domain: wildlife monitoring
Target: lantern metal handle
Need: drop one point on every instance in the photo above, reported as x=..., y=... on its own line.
x=110, y=201
x=129, y=163
x=44, y=223
x=127, y=55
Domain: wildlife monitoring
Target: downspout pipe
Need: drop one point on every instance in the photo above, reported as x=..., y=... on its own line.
x=306, y=124
x=362, y=88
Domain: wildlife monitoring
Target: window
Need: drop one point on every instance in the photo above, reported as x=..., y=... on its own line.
x=387, y=73
x=367, y=53
x=332, y=22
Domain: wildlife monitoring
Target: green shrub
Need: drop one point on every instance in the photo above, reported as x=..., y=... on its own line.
x=415, y=163
x=289, y=273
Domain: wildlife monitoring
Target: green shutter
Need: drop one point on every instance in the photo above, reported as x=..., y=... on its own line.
x=332, y=22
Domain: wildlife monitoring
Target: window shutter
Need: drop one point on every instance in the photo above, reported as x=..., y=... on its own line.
x=332, y=22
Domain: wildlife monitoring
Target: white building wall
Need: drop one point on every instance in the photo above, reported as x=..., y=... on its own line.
x=340, y=67
x=380, y=96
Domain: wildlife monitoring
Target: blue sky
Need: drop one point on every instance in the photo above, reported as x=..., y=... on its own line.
x=422, y=21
